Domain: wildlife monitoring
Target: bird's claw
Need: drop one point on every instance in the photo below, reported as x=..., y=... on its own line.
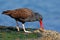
x=28, y=32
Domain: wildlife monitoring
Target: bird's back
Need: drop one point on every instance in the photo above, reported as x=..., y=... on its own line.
x=22, y=13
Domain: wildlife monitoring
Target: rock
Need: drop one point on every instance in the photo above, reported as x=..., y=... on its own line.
x=48, y=35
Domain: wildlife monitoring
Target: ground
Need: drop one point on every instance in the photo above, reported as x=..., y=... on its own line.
x=10, y=33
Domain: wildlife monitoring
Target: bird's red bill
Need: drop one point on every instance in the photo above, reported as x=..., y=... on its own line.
x=41, y=24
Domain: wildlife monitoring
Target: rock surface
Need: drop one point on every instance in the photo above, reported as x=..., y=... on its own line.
x=48, y=35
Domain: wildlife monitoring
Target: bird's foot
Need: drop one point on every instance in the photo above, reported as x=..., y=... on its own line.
x=27, y=31
x=17, y=29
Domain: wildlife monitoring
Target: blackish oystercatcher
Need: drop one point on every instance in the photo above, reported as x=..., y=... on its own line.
x=24, y=15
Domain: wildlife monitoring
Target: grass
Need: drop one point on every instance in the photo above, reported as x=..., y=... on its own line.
x=14, y=35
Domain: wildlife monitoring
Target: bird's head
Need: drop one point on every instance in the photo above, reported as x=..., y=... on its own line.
x=39, y=18
x=6, y=12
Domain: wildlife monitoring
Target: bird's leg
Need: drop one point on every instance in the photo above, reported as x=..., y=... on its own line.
x=17, y=26
x=25, y=29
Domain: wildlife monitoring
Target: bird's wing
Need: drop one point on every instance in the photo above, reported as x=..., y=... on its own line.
x=24, y=13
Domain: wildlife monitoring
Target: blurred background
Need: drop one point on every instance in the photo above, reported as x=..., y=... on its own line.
x=49, y=9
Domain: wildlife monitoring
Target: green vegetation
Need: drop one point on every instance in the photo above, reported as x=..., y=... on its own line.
x=14, y=35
